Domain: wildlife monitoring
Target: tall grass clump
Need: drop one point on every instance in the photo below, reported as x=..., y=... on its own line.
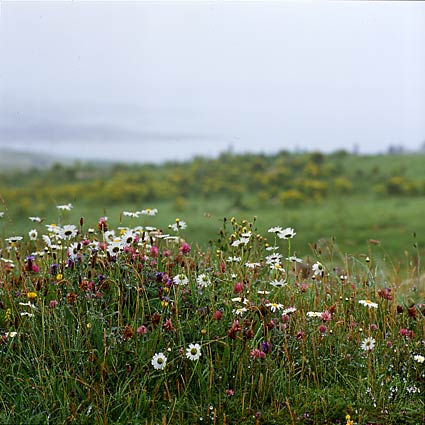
x=136, y=325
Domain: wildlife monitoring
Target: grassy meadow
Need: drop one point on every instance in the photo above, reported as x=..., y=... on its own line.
x=255, y=289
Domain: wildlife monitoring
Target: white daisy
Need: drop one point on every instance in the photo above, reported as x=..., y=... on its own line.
x=289, y=310
x=67, y=207
x=131, y=214
x=240, y=300
x=314, y=314
x=368, y=344
x=275, y=229
x=149, y=211
x=109, y=235
x=233, y=259
x=73, y=250
x=36, y=219
x=181, y=279
x=193, y=352
x=159, y=361
x=241, y=241
x=419, y=358
x=28, y=304
x=115, y=247
x=318, y=269
x=272, y=248
x=203, y=280
x=68, y=231
x=368, y=303
x=239, y=311
x=278, y=283
x=33, y=234
x=178, y=225
x=273, y=258
x=127, y=238
x=274, y=306
x=294, y=259
x=277, y=266
x=13, y=239
x=287, y=233
x=252, y=265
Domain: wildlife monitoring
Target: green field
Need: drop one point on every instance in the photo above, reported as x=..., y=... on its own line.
x=216, y=323
x=346, y=199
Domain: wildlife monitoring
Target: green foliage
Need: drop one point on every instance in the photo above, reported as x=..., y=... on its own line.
x=280, y=341
x=292, y=198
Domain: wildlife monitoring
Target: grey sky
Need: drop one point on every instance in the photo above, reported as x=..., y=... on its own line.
x=156, y=80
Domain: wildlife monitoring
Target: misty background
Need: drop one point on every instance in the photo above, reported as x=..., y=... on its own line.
x=155, y=81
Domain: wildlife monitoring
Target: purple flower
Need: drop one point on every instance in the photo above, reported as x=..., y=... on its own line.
x=266, y=347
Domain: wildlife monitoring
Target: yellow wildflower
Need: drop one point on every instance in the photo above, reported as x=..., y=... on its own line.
x=31, y=295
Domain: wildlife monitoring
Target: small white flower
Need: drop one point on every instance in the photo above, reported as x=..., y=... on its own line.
x=272, y=248
x=109, y=236
x=275, y=229
x=159, y=361
x=419, y=358
x=181, y=279
x=273, y=258
x=314, y=314
x=239, y=311
x=1, y=214
x=11, y=334
x=263, y=292
x=6, y=260
x=193, y=352
x=73, y=250
x=203, y=280
x=36, y=219
x=368, y=344
x=115, y=247
x=149, y=211
x=33, y=234
x=67, y=207
x=294, y=259
x=127, y=238
x=171, y=238
x=318, y=269
x=277, y=266
x=252, y=265
x=24, y=313
x=278, y=283
x=53, y=228
x=287, y=233
x=178, y=225
x=289, y=310
x=47, y=240
x=240, y=300
x=131, y=214
x=68, y=232
x=28, y=304
x=368, y=303
x=13, y=239
x=274, y=306
x=241, y=241
x=233, y=259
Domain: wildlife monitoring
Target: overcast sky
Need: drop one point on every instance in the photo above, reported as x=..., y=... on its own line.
x=162, y=80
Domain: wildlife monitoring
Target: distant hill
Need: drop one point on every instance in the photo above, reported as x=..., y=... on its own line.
x=12, y=160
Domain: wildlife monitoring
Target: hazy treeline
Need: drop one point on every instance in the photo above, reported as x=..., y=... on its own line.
x=287, y=179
